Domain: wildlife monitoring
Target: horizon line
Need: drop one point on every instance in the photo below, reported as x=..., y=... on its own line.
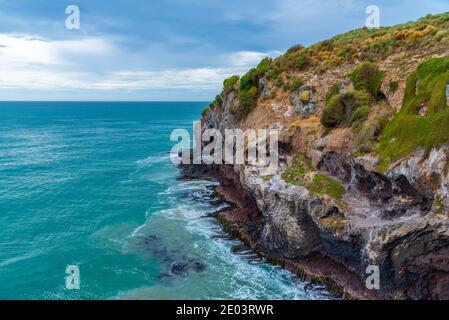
x=136, y=101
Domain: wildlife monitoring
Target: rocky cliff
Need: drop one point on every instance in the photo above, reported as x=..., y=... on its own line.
x=363, y=178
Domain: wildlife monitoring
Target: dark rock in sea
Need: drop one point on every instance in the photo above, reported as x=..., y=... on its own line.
x=198, y=266
x=179, y=268
x=240, y=249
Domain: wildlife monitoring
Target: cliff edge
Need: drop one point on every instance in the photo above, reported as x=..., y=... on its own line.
x=363, y=178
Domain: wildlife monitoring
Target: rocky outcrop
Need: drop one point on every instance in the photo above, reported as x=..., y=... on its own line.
x=292, y=226
x=304, y=100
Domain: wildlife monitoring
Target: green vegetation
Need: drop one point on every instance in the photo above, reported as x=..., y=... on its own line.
x=302, y=173
x=368, y=77
x=296, y=172
x=248, y=93
x=334, y=90
x=294, y=85
x=359, y=115
x=376, y=44
x=247, y=102
x=206, y=111
x=295, y=48
x=229, y=84
x=303, y=61
x=366, y=135
x=217, y=101
x=322, y=184
x=341, y=108
x=394, y=86
x=426, y=89
x=249, y=80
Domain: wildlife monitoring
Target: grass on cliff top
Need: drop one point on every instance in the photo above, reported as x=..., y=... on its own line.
x=426, y=90
x=358, y=45
x=300, y=173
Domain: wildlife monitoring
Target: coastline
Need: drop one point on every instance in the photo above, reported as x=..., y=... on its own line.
x=241, y=222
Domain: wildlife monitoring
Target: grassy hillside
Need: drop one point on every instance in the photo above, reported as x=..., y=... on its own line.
x=381, y=65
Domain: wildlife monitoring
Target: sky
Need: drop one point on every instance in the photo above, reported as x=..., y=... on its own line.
x=164, y=50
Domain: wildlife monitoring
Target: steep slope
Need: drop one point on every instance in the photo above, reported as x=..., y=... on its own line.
x=364, y=175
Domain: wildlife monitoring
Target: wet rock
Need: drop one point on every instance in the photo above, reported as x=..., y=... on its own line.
x=240, y=248
x=179, y=268
x=198, y=266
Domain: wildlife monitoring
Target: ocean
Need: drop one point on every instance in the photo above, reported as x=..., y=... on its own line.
x=90, y=184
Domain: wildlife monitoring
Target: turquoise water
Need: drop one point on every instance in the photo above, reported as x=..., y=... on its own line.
x=91, y=184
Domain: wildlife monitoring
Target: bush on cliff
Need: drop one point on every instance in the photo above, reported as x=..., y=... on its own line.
x=252, y=77
x=229, y=84
x=367, y=76
x=294, y=85
x=341, y=108
x=333, y=91
x=425, y=91
x=248, y=80
x=247, y=102
x=427, y=87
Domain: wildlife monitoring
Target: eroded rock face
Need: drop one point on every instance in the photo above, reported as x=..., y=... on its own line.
x=427, y=173
x=393, y=196
x=221, y=117
x=288, y=230
x=304, y=101
x=265, y=89
x=387, y=220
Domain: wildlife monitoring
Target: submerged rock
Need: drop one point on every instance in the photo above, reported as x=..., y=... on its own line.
x=179, y=268
x=198, y=266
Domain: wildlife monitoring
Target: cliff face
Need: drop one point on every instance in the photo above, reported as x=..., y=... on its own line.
x=357, y=186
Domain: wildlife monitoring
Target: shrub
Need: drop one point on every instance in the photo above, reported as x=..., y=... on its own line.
x=249, y=80
x=263, y=67
x=359, y=115
x=303, y=61
x=333, y=91
x=229, y=83
x=247, y=102
x=295, y=84
x=427, y=86
x=368, y=77
x=341, y=107
x=274, y=72
x=295, y=48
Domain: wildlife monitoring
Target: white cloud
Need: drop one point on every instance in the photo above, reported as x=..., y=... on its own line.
x=249, y=58
x=30, y=62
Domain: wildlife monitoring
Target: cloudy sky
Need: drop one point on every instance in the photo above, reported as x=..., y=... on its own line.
x=164, y=49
